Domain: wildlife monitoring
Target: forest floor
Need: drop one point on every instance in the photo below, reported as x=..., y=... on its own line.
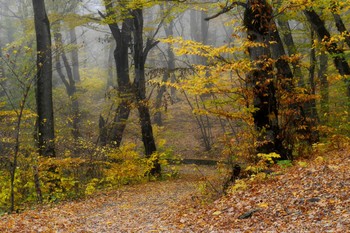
x=312, y=196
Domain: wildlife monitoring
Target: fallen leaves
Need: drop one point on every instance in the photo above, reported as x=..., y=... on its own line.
x=312, y=198
x=136, y=208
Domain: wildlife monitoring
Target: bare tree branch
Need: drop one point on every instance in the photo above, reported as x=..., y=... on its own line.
x=227, y=8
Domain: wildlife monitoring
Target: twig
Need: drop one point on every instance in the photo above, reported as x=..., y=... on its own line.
x=227, y=8
x=211, y=184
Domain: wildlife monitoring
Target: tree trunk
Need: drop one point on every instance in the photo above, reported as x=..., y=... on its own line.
x=121, y=58
x=44, y=103
x=334, y=7
x=171, y=62
x=110, y=66
x=291, y=48
x=199, y=33
x=322, y=76
x=2, y=75
x=323, y=34
x=195, y=32
x=122, y=37
x=341, y=28
x=74, y=54
x=312, y=109
x=140, y=90
x=73, y=98
x=119, y=123
x=257, y=20
x=204, y=34
x=103, y=131
x=159, y=97
x=69, y=82
x=310, y=106
x=303, y=116
x=169, y=72
x=285, y=79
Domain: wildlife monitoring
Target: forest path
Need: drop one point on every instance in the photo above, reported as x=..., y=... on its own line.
x=135, y=208
x=311, y=196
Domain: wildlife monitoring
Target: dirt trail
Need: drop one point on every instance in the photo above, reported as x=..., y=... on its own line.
x=311, y=196
x=138, y=208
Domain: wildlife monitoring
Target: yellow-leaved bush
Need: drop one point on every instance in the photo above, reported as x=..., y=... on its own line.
x=263, y=162
x=70, y=176
x=124, y=166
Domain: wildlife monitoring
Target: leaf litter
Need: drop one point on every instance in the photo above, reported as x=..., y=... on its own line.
x=309, y=198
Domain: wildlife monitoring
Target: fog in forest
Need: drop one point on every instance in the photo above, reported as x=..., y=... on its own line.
x=100, y=94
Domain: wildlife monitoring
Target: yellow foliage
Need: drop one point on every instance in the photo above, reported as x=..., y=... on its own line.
x=268, y=157
x=260, y=176
x=302, y=164
x=91, y=186
x=319, y=160
x=263, y=205
x=240, y=185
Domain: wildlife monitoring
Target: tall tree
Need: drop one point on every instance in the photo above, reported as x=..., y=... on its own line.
x=139, y=85
x=69, y=79
x=2, y=72
x=131, y=36
x=257, y=20
x=323, y=35
x=286, y=34
x=45, y=120
x=122, y=37
x=74, y=54
x=339, y=21
x=324, y=86
x=169, y=72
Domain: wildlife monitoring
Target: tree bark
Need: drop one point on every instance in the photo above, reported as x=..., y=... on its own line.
x=140, y=89
x=123, y=39
x=257, y=20
x=291, y=49
x=323, y=34
x=169, y=72
x=312, y=110
x=124, y=85
x=341, y=28
x=304, y=115
x=2, y=74
x=158, y=104
x=324, y=90
x=111, y=66
x=74, y=54
x=69, y=81
x=171, y=61
x=334, y=8
x=44, y=102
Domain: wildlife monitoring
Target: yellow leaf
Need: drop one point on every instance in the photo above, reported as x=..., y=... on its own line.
x=263, y=205
x=302, y=164
x=217, y=212
x=319, y=160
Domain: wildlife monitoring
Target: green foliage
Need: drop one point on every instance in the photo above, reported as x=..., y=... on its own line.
x=285, y=163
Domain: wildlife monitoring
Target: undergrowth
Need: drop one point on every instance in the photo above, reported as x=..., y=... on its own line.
x=75, y=174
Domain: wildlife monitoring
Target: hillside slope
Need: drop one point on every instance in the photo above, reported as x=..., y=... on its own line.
x=308, y=197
